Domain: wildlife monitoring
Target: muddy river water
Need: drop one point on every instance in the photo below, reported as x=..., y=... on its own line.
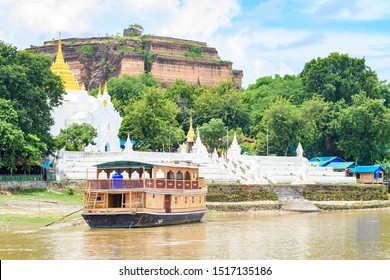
x=352, y=235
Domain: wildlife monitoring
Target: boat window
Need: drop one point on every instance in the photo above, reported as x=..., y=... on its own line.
x=102, y=175
x=135, y=175
x=187, y=176
x=179, y=176
x=192, y=199
x=125, y=175
x=171, y=175
x=185, y=200
x=175, y=199
x=200, y=199
x=160, y=174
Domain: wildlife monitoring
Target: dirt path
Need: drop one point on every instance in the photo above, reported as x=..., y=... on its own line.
x=34, y=207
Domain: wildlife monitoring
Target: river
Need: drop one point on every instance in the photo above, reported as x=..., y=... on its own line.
x=350, y=235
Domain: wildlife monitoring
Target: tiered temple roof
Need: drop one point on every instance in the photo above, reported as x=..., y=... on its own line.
x=61, y=68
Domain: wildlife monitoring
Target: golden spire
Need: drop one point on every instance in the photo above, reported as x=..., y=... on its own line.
x=100, y=90
x=191, y=132
x=60, y=68
x=105, y=88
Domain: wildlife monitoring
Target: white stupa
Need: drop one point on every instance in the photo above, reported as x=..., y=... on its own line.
x=234, y=150
x=199, y=147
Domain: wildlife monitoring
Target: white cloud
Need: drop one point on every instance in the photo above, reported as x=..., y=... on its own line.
x=241, y=36
x=285, y=69
x=50, y=16
x=201, y=19
x=270, y=51
x=357, y=10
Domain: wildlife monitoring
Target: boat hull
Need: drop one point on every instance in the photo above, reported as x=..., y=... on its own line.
x=140, y=219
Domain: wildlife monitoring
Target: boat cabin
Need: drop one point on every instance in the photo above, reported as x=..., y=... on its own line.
x=139, y=187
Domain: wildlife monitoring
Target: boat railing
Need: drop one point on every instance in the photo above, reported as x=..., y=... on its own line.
x=106, y=184
x=92, y=206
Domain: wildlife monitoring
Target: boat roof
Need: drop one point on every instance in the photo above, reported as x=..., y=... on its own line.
x=137, y=164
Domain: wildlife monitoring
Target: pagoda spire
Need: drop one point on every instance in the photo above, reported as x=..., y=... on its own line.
x=100, y=90
x=191, y=132
x=61, y=68
x=190, y=137
x=105, y=88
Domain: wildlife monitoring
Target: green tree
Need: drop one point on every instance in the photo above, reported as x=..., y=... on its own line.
x=16, y=148
x=364, y=130
x=11, y=137
x=183, y=94
x=266, y=91
x=126, y=89
x=76, y=137
x=135, y=29
x=152, y=121
x=339, y=76
x=286, y=126
x=315, y=111
x=212, y=134
x=225, y=102
x=27, y=81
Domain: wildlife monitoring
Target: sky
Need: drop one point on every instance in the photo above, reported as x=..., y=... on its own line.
x=262, y=37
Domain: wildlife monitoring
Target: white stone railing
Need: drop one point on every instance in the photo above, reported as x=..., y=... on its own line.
x=133, y=155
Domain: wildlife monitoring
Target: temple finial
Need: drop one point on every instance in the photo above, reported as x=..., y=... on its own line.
x=100, y=91
x=191, y=133
x=105, y=88
x=61, y=68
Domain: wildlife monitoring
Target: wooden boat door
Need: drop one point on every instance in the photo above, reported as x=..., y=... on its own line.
x=167, y=203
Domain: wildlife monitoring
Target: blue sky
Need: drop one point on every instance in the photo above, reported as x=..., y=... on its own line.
x=262, y=38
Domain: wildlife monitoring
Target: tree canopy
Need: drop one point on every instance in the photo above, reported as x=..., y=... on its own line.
x=339, y=76
x=76, y=137
x=319, y=108
x=126, y=89
x=152, y=121
x=29, y=91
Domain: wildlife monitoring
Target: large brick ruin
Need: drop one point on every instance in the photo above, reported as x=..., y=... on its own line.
x=94, y=60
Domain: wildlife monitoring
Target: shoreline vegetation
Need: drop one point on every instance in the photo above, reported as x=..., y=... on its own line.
x=57, y=206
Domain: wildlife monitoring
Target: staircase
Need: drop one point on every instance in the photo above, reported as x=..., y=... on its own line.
x=292, y=200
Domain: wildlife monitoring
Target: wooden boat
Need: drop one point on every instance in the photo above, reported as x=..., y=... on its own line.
x=144, y=195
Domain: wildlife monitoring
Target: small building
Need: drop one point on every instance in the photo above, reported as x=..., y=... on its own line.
x=342, y=166
x=372, y=174
x=325, y=161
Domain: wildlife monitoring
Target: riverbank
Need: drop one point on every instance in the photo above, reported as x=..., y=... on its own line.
x=51, y=215
x=62, y=206
x=275, y=205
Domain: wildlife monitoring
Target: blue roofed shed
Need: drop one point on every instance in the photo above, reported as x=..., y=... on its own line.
x=325, y=161
x=369, y=173
x=341, y=166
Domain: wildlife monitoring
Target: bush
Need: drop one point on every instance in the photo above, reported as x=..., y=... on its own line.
x=354, y=193
x=238, y=193
x=86, y=50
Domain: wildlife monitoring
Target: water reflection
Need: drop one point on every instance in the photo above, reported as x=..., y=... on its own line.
x=343, y=235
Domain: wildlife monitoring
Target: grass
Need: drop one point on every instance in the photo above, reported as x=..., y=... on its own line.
x=24, y=219
x=31, y=206
x=60, y=195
